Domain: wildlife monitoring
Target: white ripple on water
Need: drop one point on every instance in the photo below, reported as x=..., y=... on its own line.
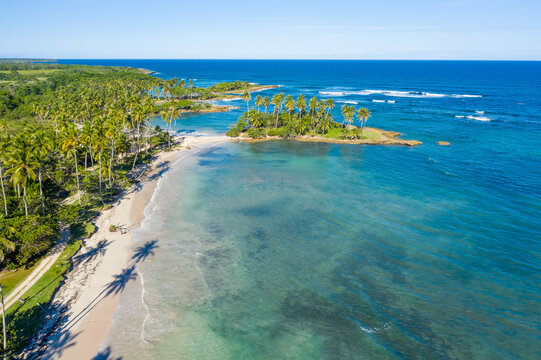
x=471, y=117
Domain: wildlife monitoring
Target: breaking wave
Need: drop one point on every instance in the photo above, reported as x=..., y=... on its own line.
x=478, y=118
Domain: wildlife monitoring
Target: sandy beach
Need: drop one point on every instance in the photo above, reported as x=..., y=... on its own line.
x=80, y=314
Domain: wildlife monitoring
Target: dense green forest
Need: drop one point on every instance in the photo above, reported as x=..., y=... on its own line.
x=296, y=117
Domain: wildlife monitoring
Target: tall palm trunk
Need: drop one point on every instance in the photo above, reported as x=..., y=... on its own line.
x=91, y=158
x=3, y=192
x=41, y=192
x=111, y=166
x=77, y=176
x=24, y=201
x=99, y=171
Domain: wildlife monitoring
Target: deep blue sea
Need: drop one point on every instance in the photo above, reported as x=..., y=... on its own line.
x=288, y=250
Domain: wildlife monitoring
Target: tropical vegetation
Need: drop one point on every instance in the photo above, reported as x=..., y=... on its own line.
x=293, y=117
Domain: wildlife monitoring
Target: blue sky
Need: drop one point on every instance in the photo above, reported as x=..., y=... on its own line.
x=278, y=29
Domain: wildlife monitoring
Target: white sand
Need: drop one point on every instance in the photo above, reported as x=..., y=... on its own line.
x=83, y=308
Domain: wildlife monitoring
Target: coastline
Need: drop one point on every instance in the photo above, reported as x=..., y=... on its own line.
x=81, y=312
x=387, y=138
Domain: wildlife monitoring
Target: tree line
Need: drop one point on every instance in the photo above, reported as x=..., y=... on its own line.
x=291, y=117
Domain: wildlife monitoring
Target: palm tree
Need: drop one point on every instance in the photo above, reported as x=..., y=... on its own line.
x=277, y=102
x=290, y=105
x=99, y=143
x=266, y=103
x=258, y=101
x=85, y=138
x=112, y=132
x=69, y=143
x=329, y=105
x=22, y=165
x=324, y=126
x=312, y=104
x=347, y=113
x=172, y=114
x=301, y=104
x=246, y=98
x=41, y=146
x=4, y=147
x=363, y=114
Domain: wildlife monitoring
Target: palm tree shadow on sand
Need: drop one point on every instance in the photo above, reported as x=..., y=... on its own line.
x=105, y=354
x=142, y=252
x=56, y=342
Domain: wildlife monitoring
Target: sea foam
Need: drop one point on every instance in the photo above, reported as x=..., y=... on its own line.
x=471, y=117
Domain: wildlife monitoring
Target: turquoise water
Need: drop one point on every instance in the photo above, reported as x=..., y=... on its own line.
x=320, y=251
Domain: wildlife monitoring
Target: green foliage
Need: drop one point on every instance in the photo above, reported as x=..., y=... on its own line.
x=112, y=228
x=31, y=236
x=229, y=86
x=255, y=133
x=232, y=132
x=295, y=117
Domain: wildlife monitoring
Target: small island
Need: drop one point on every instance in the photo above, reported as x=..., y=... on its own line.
x=312, y=121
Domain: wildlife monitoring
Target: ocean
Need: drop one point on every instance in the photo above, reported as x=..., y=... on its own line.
x=290, y=250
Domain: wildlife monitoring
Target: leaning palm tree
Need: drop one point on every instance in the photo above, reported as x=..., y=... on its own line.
x=363, y=114
x=246, y=98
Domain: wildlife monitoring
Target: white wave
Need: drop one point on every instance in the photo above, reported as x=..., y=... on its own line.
x=479, y=112
x=347, y=102
x=397, y=93
x=378, y=101
x=231, y=99
x=478, y=118
x=391, y=101
x=332, y=93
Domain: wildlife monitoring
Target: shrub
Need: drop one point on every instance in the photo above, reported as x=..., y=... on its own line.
x=112, y=228
x=254, y=133
x=233, y=132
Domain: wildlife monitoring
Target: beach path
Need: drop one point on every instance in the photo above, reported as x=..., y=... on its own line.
x=42, y=268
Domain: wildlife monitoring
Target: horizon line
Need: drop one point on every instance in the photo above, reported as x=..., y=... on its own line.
x=267, y=59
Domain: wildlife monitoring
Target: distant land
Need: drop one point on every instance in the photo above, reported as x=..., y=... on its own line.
x=15, y=60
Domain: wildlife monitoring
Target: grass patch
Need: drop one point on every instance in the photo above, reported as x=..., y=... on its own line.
x=11, y=279
x=35, y=72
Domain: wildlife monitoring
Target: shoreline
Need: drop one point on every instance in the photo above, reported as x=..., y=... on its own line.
x=81, y=312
